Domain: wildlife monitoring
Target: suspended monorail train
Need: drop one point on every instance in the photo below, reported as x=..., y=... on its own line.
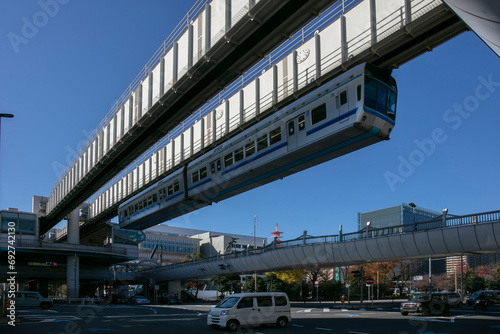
x=351, y=111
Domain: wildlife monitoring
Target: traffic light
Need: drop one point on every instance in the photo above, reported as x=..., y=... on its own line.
x=51, y=264
x=358, y=273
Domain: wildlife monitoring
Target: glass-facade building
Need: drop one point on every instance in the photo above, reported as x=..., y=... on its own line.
x=20, y=222
x=395, y=216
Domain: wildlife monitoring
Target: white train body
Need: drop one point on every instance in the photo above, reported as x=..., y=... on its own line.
x=353, y=110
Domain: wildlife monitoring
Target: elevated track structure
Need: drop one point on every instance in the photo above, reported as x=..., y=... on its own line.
x=386, y=34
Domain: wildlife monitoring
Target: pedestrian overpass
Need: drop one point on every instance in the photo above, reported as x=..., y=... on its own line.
x=444, y=236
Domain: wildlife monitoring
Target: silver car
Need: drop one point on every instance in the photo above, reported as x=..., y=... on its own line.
x=454, y=298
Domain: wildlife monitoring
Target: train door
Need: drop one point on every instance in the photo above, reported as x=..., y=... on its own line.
x=342, y=102
x=295, y=129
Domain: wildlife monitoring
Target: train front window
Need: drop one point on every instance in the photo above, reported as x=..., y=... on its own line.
x=380, y=97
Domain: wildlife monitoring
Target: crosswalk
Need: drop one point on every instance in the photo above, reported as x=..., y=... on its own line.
x=343, y=309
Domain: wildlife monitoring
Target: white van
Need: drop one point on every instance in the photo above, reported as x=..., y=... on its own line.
x=255, y=308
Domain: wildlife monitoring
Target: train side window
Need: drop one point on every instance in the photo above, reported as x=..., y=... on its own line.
x=291, y=128
x=195, y=177
x=140, y=205
x=275, y=136
x=228, y=159
x=212, y=167
x=249, y=149
x=318, y=114
x=302, y=122
x=238, y=154
x=262, y=143
x=155, y=198
x=359, y=92
x=124, y=214
x=137, y=207
x=162, y=193
x=145, y=202
x=150, y=200
x=131, y=210
x=176, y=186
x=343, y=97
x=203, y=173
x=170, y=190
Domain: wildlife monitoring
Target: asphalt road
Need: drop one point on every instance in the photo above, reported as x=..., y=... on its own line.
x=191, y=319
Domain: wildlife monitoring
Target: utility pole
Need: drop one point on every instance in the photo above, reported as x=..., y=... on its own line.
x=255, y=273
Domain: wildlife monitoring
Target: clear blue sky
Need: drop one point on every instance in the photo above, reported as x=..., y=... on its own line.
x=66, y=76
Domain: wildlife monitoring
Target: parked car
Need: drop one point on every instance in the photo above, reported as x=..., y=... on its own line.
x=138, y=300
x=169, y=300
x=426, y=304
x=31, y=299
x=492, y=297
x=454, y=298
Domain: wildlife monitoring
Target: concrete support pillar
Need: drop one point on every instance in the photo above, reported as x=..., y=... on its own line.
x=73, y=227
x=174, y=288
x=73, y=262
x=73, y=276
x=43, y=287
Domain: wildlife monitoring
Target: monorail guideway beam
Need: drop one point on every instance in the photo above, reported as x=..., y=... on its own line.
x=418, y=36
x=268, y=24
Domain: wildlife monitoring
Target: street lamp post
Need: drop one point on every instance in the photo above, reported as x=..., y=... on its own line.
x=255, y=272
x=414, y=223
x=3, y=116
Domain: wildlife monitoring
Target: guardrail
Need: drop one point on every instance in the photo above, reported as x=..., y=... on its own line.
x=436, y=223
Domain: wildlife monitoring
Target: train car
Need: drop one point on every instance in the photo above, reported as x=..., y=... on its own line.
x=352, y=111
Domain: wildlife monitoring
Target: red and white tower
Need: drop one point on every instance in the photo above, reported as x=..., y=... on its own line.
x=276, y=234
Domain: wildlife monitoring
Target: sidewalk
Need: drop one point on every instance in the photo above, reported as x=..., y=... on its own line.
x=355, y=304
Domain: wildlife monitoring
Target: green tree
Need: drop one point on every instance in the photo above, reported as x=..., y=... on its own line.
x=473, y=282
x=227, y=283
x=249, y=285
x=331, y=290
x=191, y=256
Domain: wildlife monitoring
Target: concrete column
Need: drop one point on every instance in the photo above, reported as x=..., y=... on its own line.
x=73, y=262
x=174, y=288
x=73, y=227
x=73, y=276
x=43, y=286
